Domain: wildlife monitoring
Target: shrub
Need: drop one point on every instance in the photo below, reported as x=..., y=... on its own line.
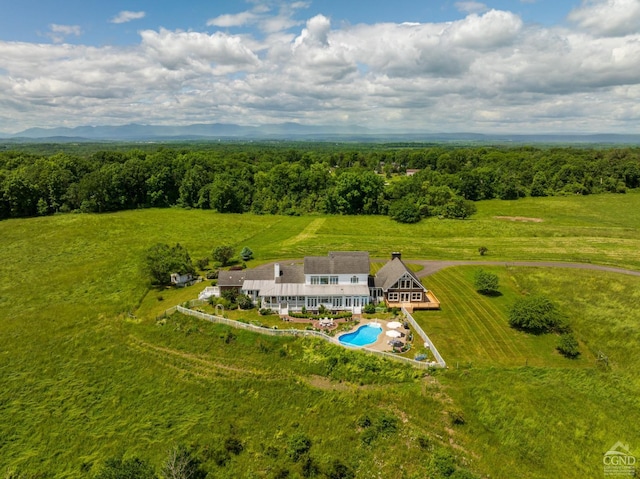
x=483, y=250
x=369, y=435
x=459, y=208
x=212, y=274
x=363, y=421
x=485, y=282
x=442, y=463
x=181, y=463
x=203, y=263
x=424, y=443
x=133, y=468
x=456, y=417
x=534, y=314
x=223, y=254
x=246, y=254
x=244, y=301
x=230, y=295
x=338, y=470
x=281, y=473
x=310, y=467
x=298, y=445
x=370, y=308
x=387, y=424
x=228, y=337
x=219, y=456
x=233, y=445
x=404, y=211
x=568, y=346
x=265, y=311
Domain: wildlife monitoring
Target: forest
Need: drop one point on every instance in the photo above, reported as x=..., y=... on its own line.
x=297, y=179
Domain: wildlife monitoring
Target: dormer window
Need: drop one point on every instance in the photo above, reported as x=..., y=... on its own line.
x=354, y=280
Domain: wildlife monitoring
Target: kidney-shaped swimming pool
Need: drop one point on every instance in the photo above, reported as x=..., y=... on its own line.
x=363, y=336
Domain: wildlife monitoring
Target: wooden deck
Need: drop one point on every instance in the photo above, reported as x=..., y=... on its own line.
x=433, y=303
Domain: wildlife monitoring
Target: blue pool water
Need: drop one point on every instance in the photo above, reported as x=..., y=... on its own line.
x=363, y=336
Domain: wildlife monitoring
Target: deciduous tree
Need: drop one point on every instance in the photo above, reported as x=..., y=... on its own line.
x=223, y=254
x=485, y=282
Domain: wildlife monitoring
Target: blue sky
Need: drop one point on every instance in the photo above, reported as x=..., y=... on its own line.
x=492, y=66
x=31, y=20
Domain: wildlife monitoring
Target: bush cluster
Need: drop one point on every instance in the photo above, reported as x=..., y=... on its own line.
x=535, y=314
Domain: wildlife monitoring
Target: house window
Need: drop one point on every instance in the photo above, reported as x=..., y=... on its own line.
x=354, y=280
x=324, y=300
x=315, y=280
x=347, y=302
x=416, y=296
x=337, y=301
x=393, y=297
x=312, y=302
x=406, y=284
x=324, y=279
x=333, y=280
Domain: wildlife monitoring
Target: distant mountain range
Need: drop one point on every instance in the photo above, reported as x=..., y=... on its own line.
x=291, y=131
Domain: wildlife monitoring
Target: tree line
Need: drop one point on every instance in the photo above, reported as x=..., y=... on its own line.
x=331, y=179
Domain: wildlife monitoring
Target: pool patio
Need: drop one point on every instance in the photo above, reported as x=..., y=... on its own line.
x=382, y=343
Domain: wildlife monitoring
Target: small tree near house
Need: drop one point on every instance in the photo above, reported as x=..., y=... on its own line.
x=223, y=254
x=246, y=254
x=162, y=260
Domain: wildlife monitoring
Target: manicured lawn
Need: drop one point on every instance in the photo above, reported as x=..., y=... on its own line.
x=472, y=329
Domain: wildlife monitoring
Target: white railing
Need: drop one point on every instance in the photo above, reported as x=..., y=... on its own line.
x=427, y=342
x=301, y=332
x=208, y=292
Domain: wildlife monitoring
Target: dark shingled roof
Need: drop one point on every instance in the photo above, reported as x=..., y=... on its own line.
x=236, y=278
x=291, y=273
x=338, y=262
x=231, y=278
x=391, y=272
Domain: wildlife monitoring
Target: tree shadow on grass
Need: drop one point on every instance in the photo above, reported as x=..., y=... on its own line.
x=491, y=294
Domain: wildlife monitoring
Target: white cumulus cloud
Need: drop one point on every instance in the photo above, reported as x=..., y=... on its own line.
x=485, y=72
x=176, y=50
x=608, y=17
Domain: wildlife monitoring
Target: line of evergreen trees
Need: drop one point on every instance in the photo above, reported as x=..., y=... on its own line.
x=291, y=181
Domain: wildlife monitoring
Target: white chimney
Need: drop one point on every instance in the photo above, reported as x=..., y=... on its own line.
x=276, y=270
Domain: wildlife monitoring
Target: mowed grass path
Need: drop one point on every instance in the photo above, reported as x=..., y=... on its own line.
x=472, y=329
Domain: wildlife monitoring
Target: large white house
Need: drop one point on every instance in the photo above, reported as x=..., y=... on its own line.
x=338, y=282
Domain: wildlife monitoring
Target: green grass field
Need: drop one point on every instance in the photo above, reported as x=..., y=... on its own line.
x=81, y=381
